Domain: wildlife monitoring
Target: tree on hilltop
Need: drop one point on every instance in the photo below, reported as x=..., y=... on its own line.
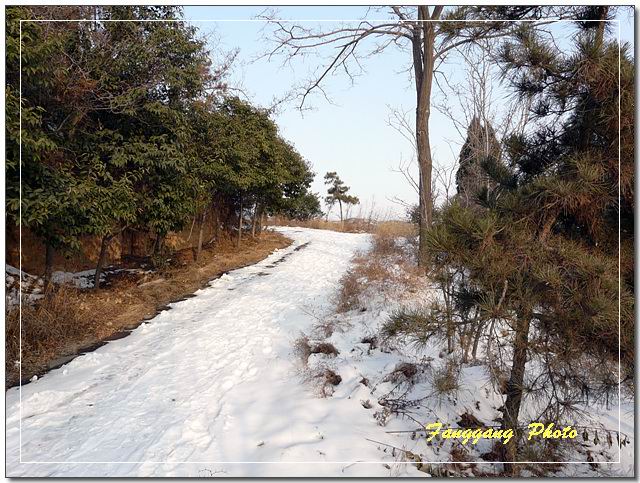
x=337, y=192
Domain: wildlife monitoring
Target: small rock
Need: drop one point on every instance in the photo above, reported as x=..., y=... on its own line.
x=34, y=378
x=260, y=443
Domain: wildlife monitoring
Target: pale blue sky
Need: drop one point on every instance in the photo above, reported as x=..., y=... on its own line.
x=351, y=135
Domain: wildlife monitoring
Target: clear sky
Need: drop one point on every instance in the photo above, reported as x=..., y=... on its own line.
x=350, y=135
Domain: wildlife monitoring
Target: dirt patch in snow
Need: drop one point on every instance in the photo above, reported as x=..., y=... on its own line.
x=111, y=313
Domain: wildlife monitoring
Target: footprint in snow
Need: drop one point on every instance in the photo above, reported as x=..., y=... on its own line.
x=228, y=384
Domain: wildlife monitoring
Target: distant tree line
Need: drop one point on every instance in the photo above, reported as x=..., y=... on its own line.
x=127, y=125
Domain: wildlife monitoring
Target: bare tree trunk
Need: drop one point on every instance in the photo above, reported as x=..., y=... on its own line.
x=217, y=221
x=446, y=293
x=514, y=390
x=239, y=224
x=261, y=220
x=48, y=265
x=104, y=246
x=423, y=61
x=340, y=203
x=254, y=220
x=157, y=244
x=476, y=339
x=201, y=234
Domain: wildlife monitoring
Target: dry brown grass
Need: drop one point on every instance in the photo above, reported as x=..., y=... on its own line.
x=445, y=380
x=70, y=320
x=405, y=371
x=302, y=348
x=58, y=317
x=351, y=287
x=395, y=229
x=324, y=348
x=326, y=380
x=387, y=264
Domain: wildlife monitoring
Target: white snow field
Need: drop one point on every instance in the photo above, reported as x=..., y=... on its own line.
x=207, y=388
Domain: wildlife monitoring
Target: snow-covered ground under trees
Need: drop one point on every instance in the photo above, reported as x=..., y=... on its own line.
x=215, y=386
x=209, y=387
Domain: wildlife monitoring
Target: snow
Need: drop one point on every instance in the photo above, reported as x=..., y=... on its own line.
x=33, y=286
x=210, y=387
x=85, y=279
x=422, y=404
x=214, y=386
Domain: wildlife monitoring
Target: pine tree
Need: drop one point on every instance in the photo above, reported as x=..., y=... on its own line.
x=541, y=258
x=337, y=192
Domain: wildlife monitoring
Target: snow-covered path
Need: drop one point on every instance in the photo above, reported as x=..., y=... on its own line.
x=209, y=387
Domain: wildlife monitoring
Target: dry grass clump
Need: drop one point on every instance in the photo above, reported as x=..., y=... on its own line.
x=386, y=265
x=302, y=348
x=351, y=287
x=60, y=316
x=324, y=348
x=323, y=380
x=548, y=450
x=396, y=229
x=445, y=380
x=403, y=372
x=331, y=377
x=384, y=245
x=326, y=327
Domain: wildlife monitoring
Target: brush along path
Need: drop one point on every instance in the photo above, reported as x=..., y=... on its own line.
x=212, y=380
x=95, y=317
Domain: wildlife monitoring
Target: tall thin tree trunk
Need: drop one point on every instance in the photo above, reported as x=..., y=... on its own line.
x=239, y=224
x=423, y=61
x=203, y=217
x=514, y=390
x=157, y=244
x=104, y=246
x=476, y=338
x=254, y=220
x=261, y=220
x=217, y=222
x=48, y=265
x=340, y=203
